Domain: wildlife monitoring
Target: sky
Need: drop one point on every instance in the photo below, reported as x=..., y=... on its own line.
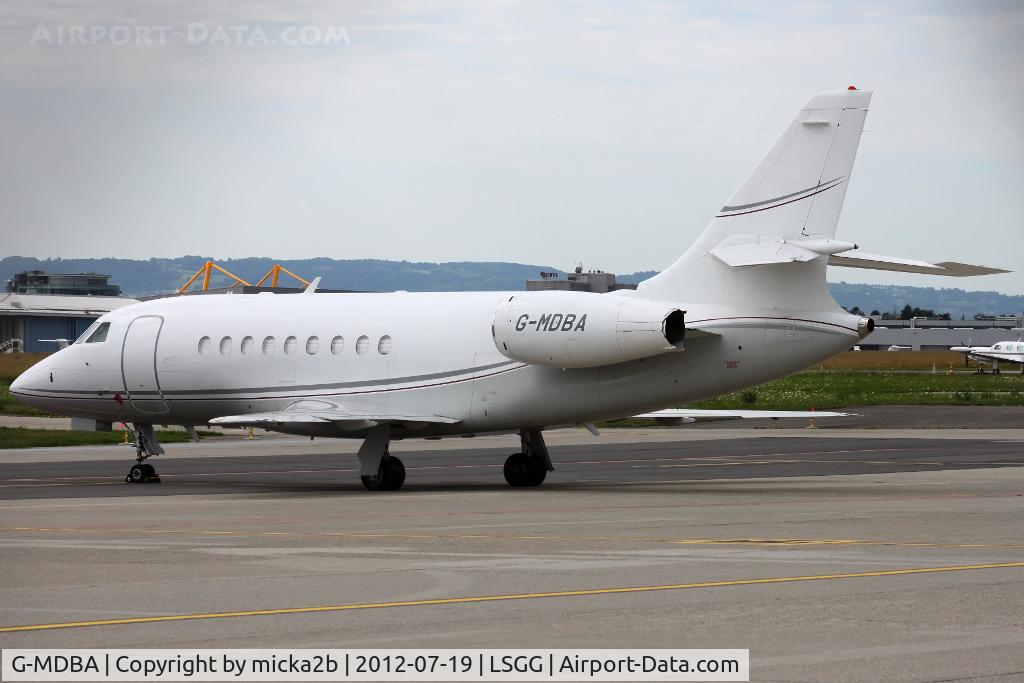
x=553, y=133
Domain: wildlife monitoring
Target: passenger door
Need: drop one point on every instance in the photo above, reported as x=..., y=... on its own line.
x=138, y=365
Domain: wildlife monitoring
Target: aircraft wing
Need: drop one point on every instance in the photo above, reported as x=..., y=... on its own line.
x=988, y=356
x=311, y=413
x=691, y=415
x=986, y=353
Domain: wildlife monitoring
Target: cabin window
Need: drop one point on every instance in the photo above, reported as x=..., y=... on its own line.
x=205, y=346
x=248, y=346
x=313, y=345
x=289, y=345
x=362, y=344
x=268, y=346
x=225, y=346
x=99, y=334
x=384, y=345
x=337, y=344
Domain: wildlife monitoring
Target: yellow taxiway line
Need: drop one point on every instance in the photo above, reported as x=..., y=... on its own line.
x=499, y=598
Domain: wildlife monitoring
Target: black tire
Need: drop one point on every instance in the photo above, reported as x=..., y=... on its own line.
x=394, y=473
x=137, y=474
x=373, y=483
x=521, y=471
x=390, y=476
x=150, y=470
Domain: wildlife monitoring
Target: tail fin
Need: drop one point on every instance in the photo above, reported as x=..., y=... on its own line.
x=796, y=192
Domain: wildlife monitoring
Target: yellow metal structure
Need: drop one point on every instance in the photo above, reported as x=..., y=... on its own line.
x=207, y=270
x=275, y=272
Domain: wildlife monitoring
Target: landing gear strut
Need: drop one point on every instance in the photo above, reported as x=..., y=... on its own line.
x=531, y=466
x=146, y=446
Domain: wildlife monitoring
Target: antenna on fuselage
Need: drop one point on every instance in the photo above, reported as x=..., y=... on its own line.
x=312, y=286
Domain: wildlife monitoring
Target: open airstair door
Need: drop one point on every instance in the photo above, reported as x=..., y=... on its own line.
x=138, y=365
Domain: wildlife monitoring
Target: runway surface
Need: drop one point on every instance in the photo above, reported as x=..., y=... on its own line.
x=832, y=556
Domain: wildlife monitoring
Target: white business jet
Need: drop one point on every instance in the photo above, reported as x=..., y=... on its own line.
x=747, y=303
x=1006, y=351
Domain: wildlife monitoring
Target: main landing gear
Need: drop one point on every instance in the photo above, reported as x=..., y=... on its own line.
x=146, y=445
x=381, y=471
x=389, y=477
x=378, y=469
x=531, y=466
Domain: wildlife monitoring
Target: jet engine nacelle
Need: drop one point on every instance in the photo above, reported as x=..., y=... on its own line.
x=581, y=330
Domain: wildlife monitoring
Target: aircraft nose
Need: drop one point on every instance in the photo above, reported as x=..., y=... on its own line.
x=30, y=379
x=19, y=382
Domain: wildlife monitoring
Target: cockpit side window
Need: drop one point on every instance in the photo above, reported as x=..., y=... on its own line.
x=99, y=334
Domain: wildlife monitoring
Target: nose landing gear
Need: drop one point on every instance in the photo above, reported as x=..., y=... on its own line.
x=142, y=473
x=146, y=446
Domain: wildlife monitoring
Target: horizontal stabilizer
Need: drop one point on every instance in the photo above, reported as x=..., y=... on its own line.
x=310, y=412
x=743, y=255
x=744, y=251
x=903, y=265
x=739, y=251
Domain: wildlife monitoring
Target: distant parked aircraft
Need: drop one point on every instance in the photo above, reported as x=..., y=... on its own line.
x=747, y=303
x=1006, y=351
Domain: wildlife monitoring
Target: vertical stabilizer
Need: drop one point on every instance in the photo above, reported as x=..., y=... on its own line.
x=795, y=193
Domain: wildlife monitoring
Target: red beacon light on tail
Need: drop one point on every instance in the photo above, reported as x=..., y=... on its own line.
x=852, y=87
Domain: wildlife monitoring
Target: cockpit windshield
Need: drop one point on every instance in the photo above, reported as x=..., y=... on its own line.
x=88, y=332
x=95, y=334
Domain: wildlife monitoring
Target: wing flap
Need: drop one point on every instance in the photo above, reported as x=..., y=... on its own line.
x=309, y=412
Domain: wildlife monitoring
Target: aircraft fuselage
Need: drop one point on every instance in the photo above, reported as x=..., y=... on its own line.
x=186, y=360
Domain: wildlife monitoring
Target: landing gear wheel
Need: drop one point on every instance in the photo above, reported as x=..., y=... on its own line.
x=390, y=475
x=142, y=473
x=521, y=471
x=136, y=475
x=394, y=473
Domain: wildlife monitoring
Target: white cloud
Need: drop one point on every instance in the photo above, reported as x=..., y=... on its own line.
x=540, y=132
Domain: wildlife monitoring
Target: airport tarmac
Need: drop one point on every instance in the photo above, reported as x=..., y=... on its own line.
x=832, y=554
